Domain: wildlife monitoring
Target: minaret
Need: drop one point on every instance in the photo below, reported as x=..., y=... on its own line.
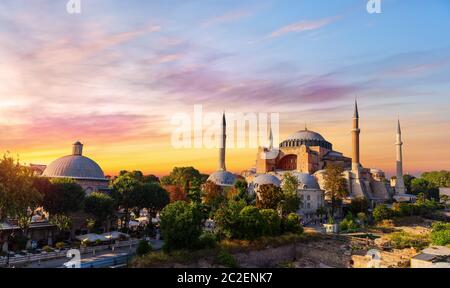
x=77, y=148
x=223, y=144
x=355, y=140
x=399, y=183
x=270, y=139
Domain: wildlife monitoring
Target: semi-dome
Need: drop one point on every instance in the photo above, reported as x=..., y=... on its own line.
x=74, y=166
x=263, y=179
x=222, y=178
x=307, y=138
x=307, y=181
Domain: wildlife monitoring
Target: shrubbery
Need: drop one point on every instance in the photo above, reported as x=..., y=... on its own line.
x=181, y=225
x=422, y=207
x=382, y=212
x=291, y=223
x=348, y=224
x=143, y=248
x=440, y=234
x=272, y=222
x=402, y=240
x=234, y=220
x=224, y=258
x=251, y=223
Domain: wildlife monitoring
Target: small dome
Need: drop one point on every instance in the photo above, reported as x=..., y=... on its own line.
x=309, y=181
x=222, y=178
x=262, y=179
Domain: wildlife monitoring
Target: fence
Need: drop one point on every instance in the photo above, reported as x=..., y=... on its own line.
x=21, y=259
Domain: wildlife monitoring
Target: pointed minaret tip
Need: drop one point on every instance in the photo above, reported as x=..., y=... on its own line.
x=270, y=138
x=356, y=114
x=224, y=122
x=399, y=129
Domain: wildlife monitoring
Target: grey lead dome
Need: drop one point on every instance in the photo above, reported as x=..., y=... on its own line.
x=74, y=166
x=306, y=135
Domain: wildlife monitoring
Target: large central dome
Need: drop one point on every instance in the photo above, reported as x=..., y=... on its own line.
x=74, y=166
x=307, y=138
x=306, y=135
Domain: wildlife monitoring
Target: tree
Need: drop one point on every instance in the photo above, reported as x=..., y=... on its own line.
x=407, y=179
x=128, y=190
x=195, y=191
x=100, y=205
x=62, y=222
x=382, y=212
x=335, y=185
x=176, y=193
x=150, y=178
x=359, y=204
x=181, y=225
x=272, y=222
x=143, y=248
x=292, y=201
x=17, y=195
x=62, y=196
x=251, y=223
x=269, y=197
x=241, y=187
x=438, y=178
x=212, y=195
x=182, y=176
x=421, y=185
x=154, y=198
x=226, y=218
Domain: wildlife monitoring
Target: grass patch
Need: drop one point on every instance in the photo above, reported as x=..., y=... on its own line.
x=402, y=240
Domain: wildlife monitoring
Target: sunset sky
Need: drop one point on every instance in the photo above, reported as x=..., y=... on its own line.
x=114, y=75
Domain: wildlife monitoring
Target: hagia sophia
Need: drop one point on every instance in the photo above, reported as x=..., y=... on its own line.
x=305, y=154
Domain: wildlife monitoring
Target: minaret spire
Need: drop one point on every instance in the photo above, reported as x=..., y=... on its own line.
x=355, y=140
x=223, y=144
x=399, y=183
x=270, y=139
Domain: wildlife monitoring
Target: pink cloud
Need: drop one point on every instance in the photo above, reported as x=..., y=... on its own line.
x=302, y=26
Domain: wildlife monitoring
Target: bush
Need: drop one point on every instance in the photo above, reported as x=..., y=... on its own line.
x=348, y=225
x=60, y=245
x=227, y=218
x=440, y=234
x=47, y=249
x=402, y=240
x=272, y=222
x=143, y=248
x=291, y=224
x=224, y=258
x=207, y=241
x=362, y=218
x=251, y=223
x=382, y=212
x=181, y=225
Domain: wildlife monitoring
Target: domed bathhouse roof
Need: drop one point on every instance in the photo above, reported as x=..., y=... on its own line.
x=74, y=166
x=308, y=138
x=262, y=179
x=306, y=180
x=222, y=178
